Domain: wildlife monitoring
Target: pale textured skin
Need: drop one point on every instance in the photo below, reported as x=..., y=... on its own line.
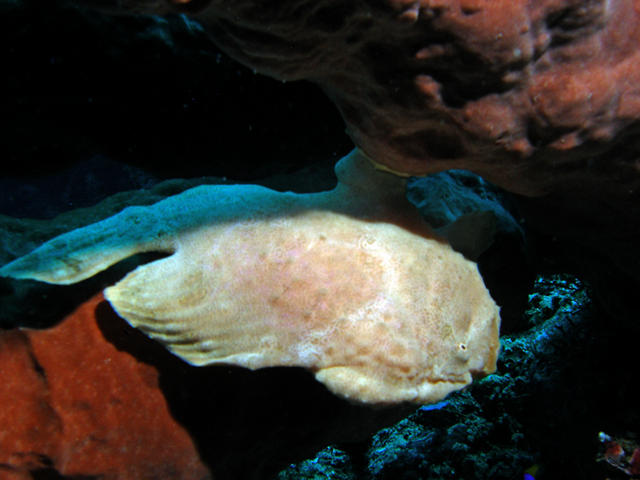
x=348, y=284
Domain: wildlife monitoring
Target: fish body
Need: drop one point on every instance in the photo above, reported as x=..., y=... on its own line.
x=347, y=283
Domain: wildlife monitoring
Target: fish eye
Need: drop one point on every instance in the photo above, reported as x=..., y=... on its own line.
x=462, y=353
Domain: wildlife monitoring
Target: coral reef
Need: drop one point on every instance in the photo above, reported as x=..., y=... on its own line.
x=541, y=97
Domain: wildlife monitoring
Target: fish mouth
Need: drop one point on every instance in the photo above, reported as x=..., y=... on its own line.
x=487, y=367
